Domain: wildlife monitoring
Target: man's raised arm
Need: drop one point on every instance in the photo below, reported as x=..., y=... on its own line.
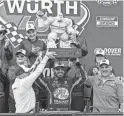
x=29, y=80
x=88, y=80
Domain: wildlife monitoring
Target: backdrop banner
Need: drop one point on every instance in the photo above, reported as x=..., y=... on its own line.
x=100, y=22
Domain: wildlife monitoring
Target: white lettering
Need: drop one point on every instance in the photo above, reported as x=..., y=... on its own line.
x=109, y=50
x=52, y=73
x=115, y=51
x=47, y=7
x=46, y=72
x=105, y=49
x=15, y=5
x=112, y=51
x=59, y=6
x=107, y=23
x=61, y=102
x=119, y=50
x=29, y=6
x=18, y=6
x=68, y=7
x=107, y=18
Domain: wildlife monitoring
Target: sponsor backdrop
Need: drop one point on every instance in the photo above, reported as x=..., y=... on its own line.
x=109, y=37
x=99, y=22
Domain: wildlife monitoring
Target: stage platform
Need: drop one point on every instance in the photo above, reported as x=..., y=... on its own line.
x=62, y=113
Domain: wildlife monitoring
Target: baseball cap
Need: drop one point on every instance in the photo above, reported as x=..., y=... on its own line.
x=22, y=51
x=59, y=64
x=105, y=61
x=99, y=51
x=30, y=26
x=2, y=28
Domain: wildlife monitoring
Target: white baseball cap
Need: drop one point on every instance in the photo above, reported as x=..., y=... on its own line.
x=105, y=61
x=99, y=51
x=2, y=28
x=22, y=51
x=29, y=26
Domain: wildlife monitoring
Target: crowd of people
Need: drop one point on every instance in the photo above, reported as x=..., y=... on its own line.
x=19, y=84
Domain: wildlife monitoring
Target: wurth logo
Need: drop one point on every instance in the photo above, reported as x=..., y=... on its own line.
x=27, y=7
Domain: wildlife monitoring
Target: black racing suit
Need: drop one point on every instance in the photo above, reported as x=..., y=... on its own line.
x=59, y=91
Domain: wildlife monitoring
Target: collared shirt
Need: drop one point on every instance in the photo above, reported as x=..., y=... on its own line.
x=107, y=95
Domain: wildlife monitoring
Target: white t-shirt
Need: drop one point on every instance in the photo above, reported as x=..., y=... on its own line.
x=22, y=89
x=24, y=97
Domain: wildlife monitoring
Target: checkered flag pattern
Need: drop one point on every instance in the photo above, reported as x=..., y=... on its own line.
x=115, y=2
x=12, y=34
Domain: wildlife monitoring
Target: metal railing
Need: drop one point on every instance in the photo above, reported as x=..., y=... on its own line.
x=62, y=113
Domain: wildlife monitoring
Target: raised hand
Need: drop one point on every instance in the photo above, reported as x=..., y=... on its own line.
x=51, y=54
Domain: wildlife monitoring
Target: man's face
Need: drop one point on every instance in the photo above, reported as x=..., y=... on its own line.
x=105, y=70
x=2, y=35
x=31, y=34
x=59, y=71
x=20, y=58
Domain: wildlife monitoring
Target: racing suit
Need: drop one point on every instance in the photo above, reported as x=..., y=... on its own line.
x=59, y=91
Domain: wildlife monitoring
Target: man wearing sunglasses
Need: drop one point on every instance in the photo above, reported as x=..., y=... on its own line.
x=21, y=59
x=108, y=90
x=5, y=55
x=60, y=87
x=21, y=65
x=23, y=80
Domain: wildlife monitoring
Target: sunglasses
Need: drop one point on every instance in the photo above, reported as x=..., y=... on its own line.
x=21, y=56
x=60, y=68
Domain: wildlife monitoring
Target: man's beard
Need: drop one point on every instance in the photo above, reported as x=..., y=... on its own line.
x=60, y=75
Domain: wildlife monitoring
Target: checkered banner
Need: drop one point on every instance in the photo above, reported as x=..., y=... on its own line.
x=12, y=33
